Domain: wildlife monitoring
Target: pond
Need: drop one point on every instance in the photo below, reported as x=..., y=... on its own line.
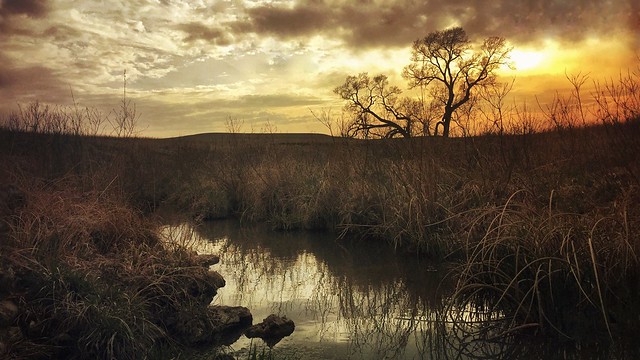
x=349, y=300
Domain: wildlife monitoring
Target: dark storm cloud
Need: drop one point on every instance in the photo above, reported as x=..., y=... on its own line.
x=25, y=84
x=397, y=23
x=529, y=21
x=634, y=23
x=14, y=77
x=11, y=10
x=33, y=8
x=301, y=20
x=198, y=31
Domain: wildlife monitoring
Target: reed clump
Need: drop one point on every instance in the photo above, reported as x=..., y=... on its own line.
x=88, y=277
x=567, y=274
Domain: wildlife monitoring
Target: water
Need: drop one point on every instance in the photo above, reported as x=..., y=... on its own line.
x=348, y=301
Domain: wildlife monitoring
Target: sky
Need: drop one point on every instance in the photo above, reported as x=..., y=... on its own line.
x=193, y=65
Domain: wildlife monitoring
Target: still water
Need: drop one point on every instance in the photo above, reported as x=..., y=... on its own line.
x=348, y=301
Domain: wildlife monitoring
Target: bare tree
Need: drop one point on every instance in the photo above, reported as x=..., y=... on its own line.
x=377, y=108
x=337, y=126
x=126, y=117
x=234, y=125
x=495, y=110
x=446, y=62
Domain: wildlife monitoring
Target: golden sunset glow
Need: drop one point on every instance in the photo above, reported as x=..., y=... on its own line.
x=191, y=65
x=526, y=60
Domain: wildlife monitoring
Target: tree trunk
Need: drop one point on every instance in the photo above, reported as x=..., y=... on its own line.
x=446, y=121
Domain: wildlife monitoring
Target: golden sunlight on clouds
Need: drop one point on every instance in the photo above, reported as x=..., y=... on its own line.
x=601, y=57
x=542, y=70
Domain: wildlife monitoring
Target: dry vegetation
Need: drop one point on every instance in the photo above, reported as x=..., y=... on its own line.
x=85, y=277
x=83, y=273
x=545, y=226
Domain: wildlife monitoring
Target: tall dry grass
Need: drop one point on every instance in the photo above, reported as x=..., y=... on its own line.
x=560, y=254
x=554, y=271
x=91, y=278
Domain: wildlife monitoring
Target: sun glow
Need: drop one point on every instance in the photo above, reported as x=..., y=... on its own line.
x=525, y=60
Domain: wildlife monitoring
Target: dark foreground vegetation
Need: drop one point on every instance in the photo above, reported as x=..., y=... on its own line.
x=84, y=276
x=544, y=226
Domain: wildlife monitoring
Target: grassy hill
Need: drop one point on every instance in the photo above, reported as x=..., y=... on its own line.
x=276, y=138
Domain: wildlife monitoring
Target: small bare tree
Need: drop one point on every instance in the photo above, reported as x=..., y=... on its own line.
x=378, y=109
x=233, y=124
x=269, y=128
x=342, y=126
x=126, y=116
x=495, y=110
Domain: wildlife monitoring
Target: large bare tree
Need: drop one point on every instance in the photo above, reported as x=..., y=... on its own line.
x=444, y=65
x=447, y=62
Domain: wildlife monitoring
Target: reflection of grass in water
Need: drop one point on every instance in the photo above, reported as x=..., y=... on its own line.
x=382, y=316
x=267, y=353
x=184, y=236
x=373, y=310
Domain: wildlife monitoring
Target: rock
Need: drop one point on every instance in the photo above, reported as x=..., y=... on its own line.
x=215, y=279
x=207, y=260
x=272, y=329
x=229, y=323
x=8, y=312
x=205, y=285
x=219, y=326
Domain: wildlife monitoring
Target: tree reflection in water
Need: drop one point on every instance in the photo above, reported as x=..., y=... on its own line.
x=351, y=301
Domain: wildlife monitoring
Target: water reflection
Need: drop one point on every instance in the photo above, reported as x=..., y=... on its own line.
x=353, y=301
x=357, y=302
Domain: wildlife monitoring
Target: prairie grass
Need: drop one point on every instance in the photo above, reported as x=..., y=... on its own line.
x=91, y=278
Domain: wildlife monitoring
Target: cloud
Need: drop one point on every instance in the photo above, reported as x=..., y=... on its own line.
x=198, y=31
x=203, y=60
x=15, y=78
x=29, y=83
x=289, y=22
x=634, y=24
x=274, y=101
x=12, y=10
x=161, y=118
x=398, y=23
x=31, y=8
